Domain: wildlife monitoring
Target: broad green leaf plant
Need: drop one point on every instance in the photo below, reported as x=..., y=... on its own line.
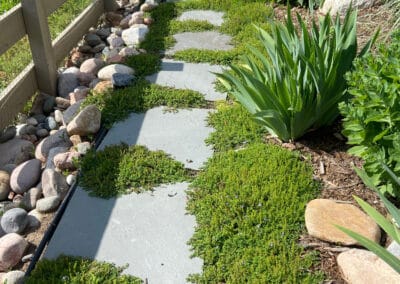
x=371, y=116
x=390, y=228
x=297, y=81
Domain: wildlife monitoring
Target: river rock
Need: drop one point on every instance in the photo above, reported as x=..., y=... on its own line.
x=49, y=104
x=394, y=248
x=83, y=148
x=4, y=185
x=71, y=179
x=124, y=24
x=92, y=39
x=341, y=6
x=135, y=34
x=59, y=139
x=66, y=161
x=62, y=103
x=122, y=80
x=113, y=18
x=15, y=151
x=35, y=219
x=322, y=214
x=103, y=87
x=25, y=176
x=128, y=51
x=86, y=122
x=68, y=81
x=360, y=266
x=115, y=41
x=13, y=277
x=30, y=198
x=52, y=153
x=7, y=134
x=103, y=33
x=12, y=248
x=71, y=112
x=53, y=184
x=48, y=204
x=106, y=72
x=98, y=48
x=14, y=220
x=92, y=65
x=137, y=18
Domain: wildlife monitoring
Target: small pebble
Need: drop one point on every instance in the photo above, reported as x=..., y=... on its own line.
x=27, y=257
x=71, y=179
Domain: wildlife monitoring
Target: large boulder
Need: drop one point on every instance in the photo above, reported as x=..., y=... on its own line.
x=341, y=6
x=12, y=248
x=15, y=151
x=322, y=214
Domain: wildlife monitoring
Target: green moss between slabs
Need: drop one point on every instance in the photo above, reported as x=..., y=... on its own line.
x=69, y=269
x=121, y=169
x=249, y=207
x=234, y=128
x=144, y=64
x=190, y=26
x=118, y=104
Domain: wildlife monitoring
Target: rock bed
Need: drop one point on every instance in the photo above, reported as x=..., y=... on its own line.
x=36, y=152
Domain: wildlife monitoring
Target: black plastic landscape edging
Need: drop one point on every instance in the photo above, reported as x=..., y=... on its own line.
x=60, y=212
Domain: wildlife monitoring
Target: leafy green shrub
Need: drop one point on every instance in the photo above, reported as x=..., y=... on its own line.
x=249, y=206
x=390, y=228
x=234, y=127
x=298, y=85
x=69, y=269
x=372, y=115
x=120, y=169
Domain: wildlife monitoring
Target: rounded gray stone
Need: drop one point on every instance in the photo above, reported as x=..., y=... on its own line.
x=14, y=220
x=48, y=204
x=8, y=134
x=25, y=176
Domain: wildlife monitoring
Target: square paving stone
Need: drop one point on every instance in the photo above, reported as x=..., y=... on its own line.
x=213, y=17
x=194, y=76
x=180, y=134
x=208, y=40
x=149, y=231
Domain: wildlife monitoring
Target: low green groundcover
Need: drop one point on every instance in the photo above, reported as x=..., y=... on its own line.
x=69, y=269
x=120, y=169
x=249, y=206
x=234, y=127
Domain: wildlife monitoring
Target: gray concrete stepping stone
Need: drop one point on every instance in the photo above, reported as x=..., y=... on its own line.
x=149, y=231
x=213, y=17
x=209, y=40
x=180, y=134
x=194, y=76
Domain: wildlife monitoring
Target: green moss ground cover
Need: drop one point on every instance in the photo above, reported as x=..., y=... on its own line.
x=257, y=196
x=68, y=269
x=121, y=169
x=234, y=128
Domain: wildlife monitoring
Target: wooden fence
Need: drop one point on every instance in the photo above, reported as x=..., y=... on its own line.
x=30, y=18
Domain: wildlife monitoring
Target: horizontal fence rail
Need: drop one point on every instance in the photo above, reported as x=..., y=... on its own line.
x=30, y=18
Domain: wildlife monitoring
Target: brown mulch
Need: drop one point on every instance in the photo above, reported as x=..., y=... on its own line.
x=326, y=148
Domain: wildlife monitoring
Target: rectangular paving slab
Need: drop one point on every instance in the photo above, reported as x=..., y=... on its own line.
x=213, y=17
x=193, y=76
x=180, y=134
x=208, y=40
x=148, y=231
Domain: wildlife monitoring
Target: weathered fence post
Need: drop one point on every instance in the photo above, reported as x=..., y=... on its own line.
x=37, y=28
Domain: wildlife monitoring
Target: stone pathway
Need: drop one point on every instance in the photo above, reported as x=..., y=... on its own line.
x=148, y=231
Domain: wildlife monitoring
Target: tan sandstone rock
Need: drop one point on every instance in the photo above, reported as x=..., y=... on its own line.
x=322, y=214
x=361, y=266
